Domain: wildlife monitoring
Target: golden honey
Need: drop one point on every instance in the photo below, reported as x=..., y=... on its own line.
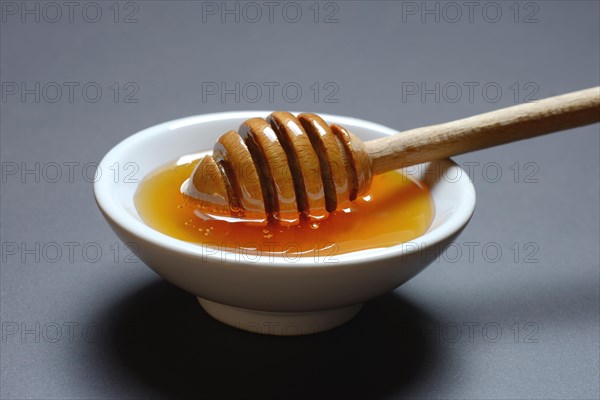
x=397, y=210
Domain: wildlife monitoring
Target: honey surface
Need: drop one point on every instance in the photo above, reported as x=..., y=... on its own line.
x=397, y=209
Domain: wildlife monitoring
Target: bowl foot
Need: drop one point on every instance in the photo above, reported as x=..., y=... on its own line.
x=280, y=323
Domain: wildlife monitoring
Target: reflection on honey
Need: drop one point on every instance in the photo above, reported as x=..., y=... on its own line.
x=397, y=209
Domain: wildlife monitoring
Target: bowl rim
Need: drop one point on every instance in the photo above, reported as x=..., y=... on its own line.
x=120, y=217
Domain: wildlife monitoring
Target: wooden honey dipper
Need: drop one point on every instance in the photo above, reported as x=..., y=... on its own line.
x=279, y=168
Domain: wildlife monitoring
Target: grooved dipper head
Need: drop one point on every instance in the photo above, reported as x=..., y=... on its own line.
x=281, y=169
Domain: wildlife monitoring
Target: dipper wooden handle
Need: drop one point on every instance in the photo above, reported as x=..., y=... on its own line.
x=282, y=167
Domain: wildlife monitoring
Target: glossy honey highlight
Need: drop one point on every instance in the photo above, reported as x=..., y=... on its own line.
x=398, y=209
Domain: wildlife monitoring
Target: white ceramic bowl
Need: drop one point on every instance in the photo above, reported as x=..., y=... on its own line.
x=269, y=294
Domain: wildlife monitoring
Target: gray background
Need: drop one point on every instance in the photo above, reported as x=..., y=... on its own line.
x=133, y=335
